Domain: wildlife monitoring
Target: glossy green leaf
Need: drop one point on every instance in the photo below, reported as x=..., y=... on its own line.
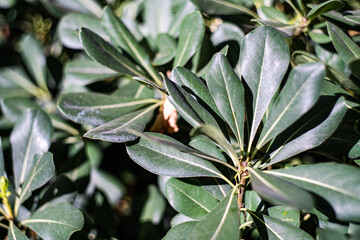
x=86, y=71
x=336, y=184
x=228, y=94
x=218, y=137
x=215, y=187
x=353, y=18
x=186, y=8
x=178, y=219
x=31, y=135
x=122, y=37
x=95, y=108
x=275, y=229
x=154, y=207
x=55, y=222
x=355, y=150
x=221, y=223
x=107, y=55
x=315, y=136
x=188, y=106
x=181, y=231
x=278, y=191
x=117, y=129
x=33, y=55
x=14, y=107
x=324, y=7
x=189, y=198
x=252, y=202
x=264, y=59
x=157, y=16
x=331, y=59
x=338, y=17
x=70, y=25
x=192, y=31
x=347, y=49
x=8, y=87
x=167, y=161
x=190, y=81
x=15, y=234
x=300, y=57
x=166, y=49
x=41, y=171
x=298, y=95
x=133, y=89
x=227, y=32
x=286, y=214
x=319, y=37
x=224, y=7
x=204, y=144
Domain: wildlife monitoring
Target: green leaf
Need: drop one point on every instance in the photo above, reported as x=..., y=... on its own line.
x=8, y=87
x=274, y=229
x=188, y=106
x=180, y=231
x=329, y=234
x=189, y=198
x=264, y=59
x=107, y=55
x=86, y=71
x=221, y=223
x=178, y=219
x=189, y=80
x=2, y=163
x=278, y=191
x=157, y=16
x=335, y=184
x=70, y=25
x=31, y=135
x=354, y=66
x=167, y=161
x=56, y=222
x=216, y=136
x=192, y=31
x=133, y=89
x=117, y=129
x=353, y=18
x=216, y=188
x=227, y=32
x=95, y=108
x=347, y=49
x=41, y=171
x=186, y=8
x=296, y=144
x=273, y=14
x=121, y=37
x=166, y=49
x=14, y=107
x=154, y=208
x=224, y=7
x=286, y=214
x=33, y=56
x=331, y=59
x=319, y=37
x=355, y=151
x=228, y=94
x=15, y=234
x=204, y=144
x=299, y=94
x=324, y=7
x=7, y=3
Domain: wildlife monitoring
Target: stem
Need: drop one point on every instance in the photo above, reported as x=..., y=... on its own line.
x=8, y=210
x=4, y=226
x=293, y=7
x=227, y=180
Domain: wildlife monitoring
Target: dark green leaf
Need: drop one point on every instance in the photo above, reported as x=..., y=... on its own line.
x=190, y=81
x=154, y=208
x=324, y=7
x=329, y=234
x=86, y=71
x=228, y=94
x=347, y=49
x=56, y=222
x=204, y=144
x=354, y=66
x=353, y=18
x=95, y=109
x=31, y=135
x=278, y=191
x=264, y=60
x=296, y=144
x=107, y=55
x=167, y=161
x=166, y=49
x=189, y=198
x=191, y=35
x=70, y=25
x=121, y=37
x=221, y=223
x=117, y=129
x=286, y=214
x=274, y=229
x=335, y=184
x=14, y=233
x=188, y=107
x=181, y=231
x=299, y=94
x=33, y=55
x=134, y=89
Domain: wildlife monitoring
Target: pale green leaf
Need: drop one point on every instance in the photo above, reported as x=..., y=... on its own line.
x=154, y=207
